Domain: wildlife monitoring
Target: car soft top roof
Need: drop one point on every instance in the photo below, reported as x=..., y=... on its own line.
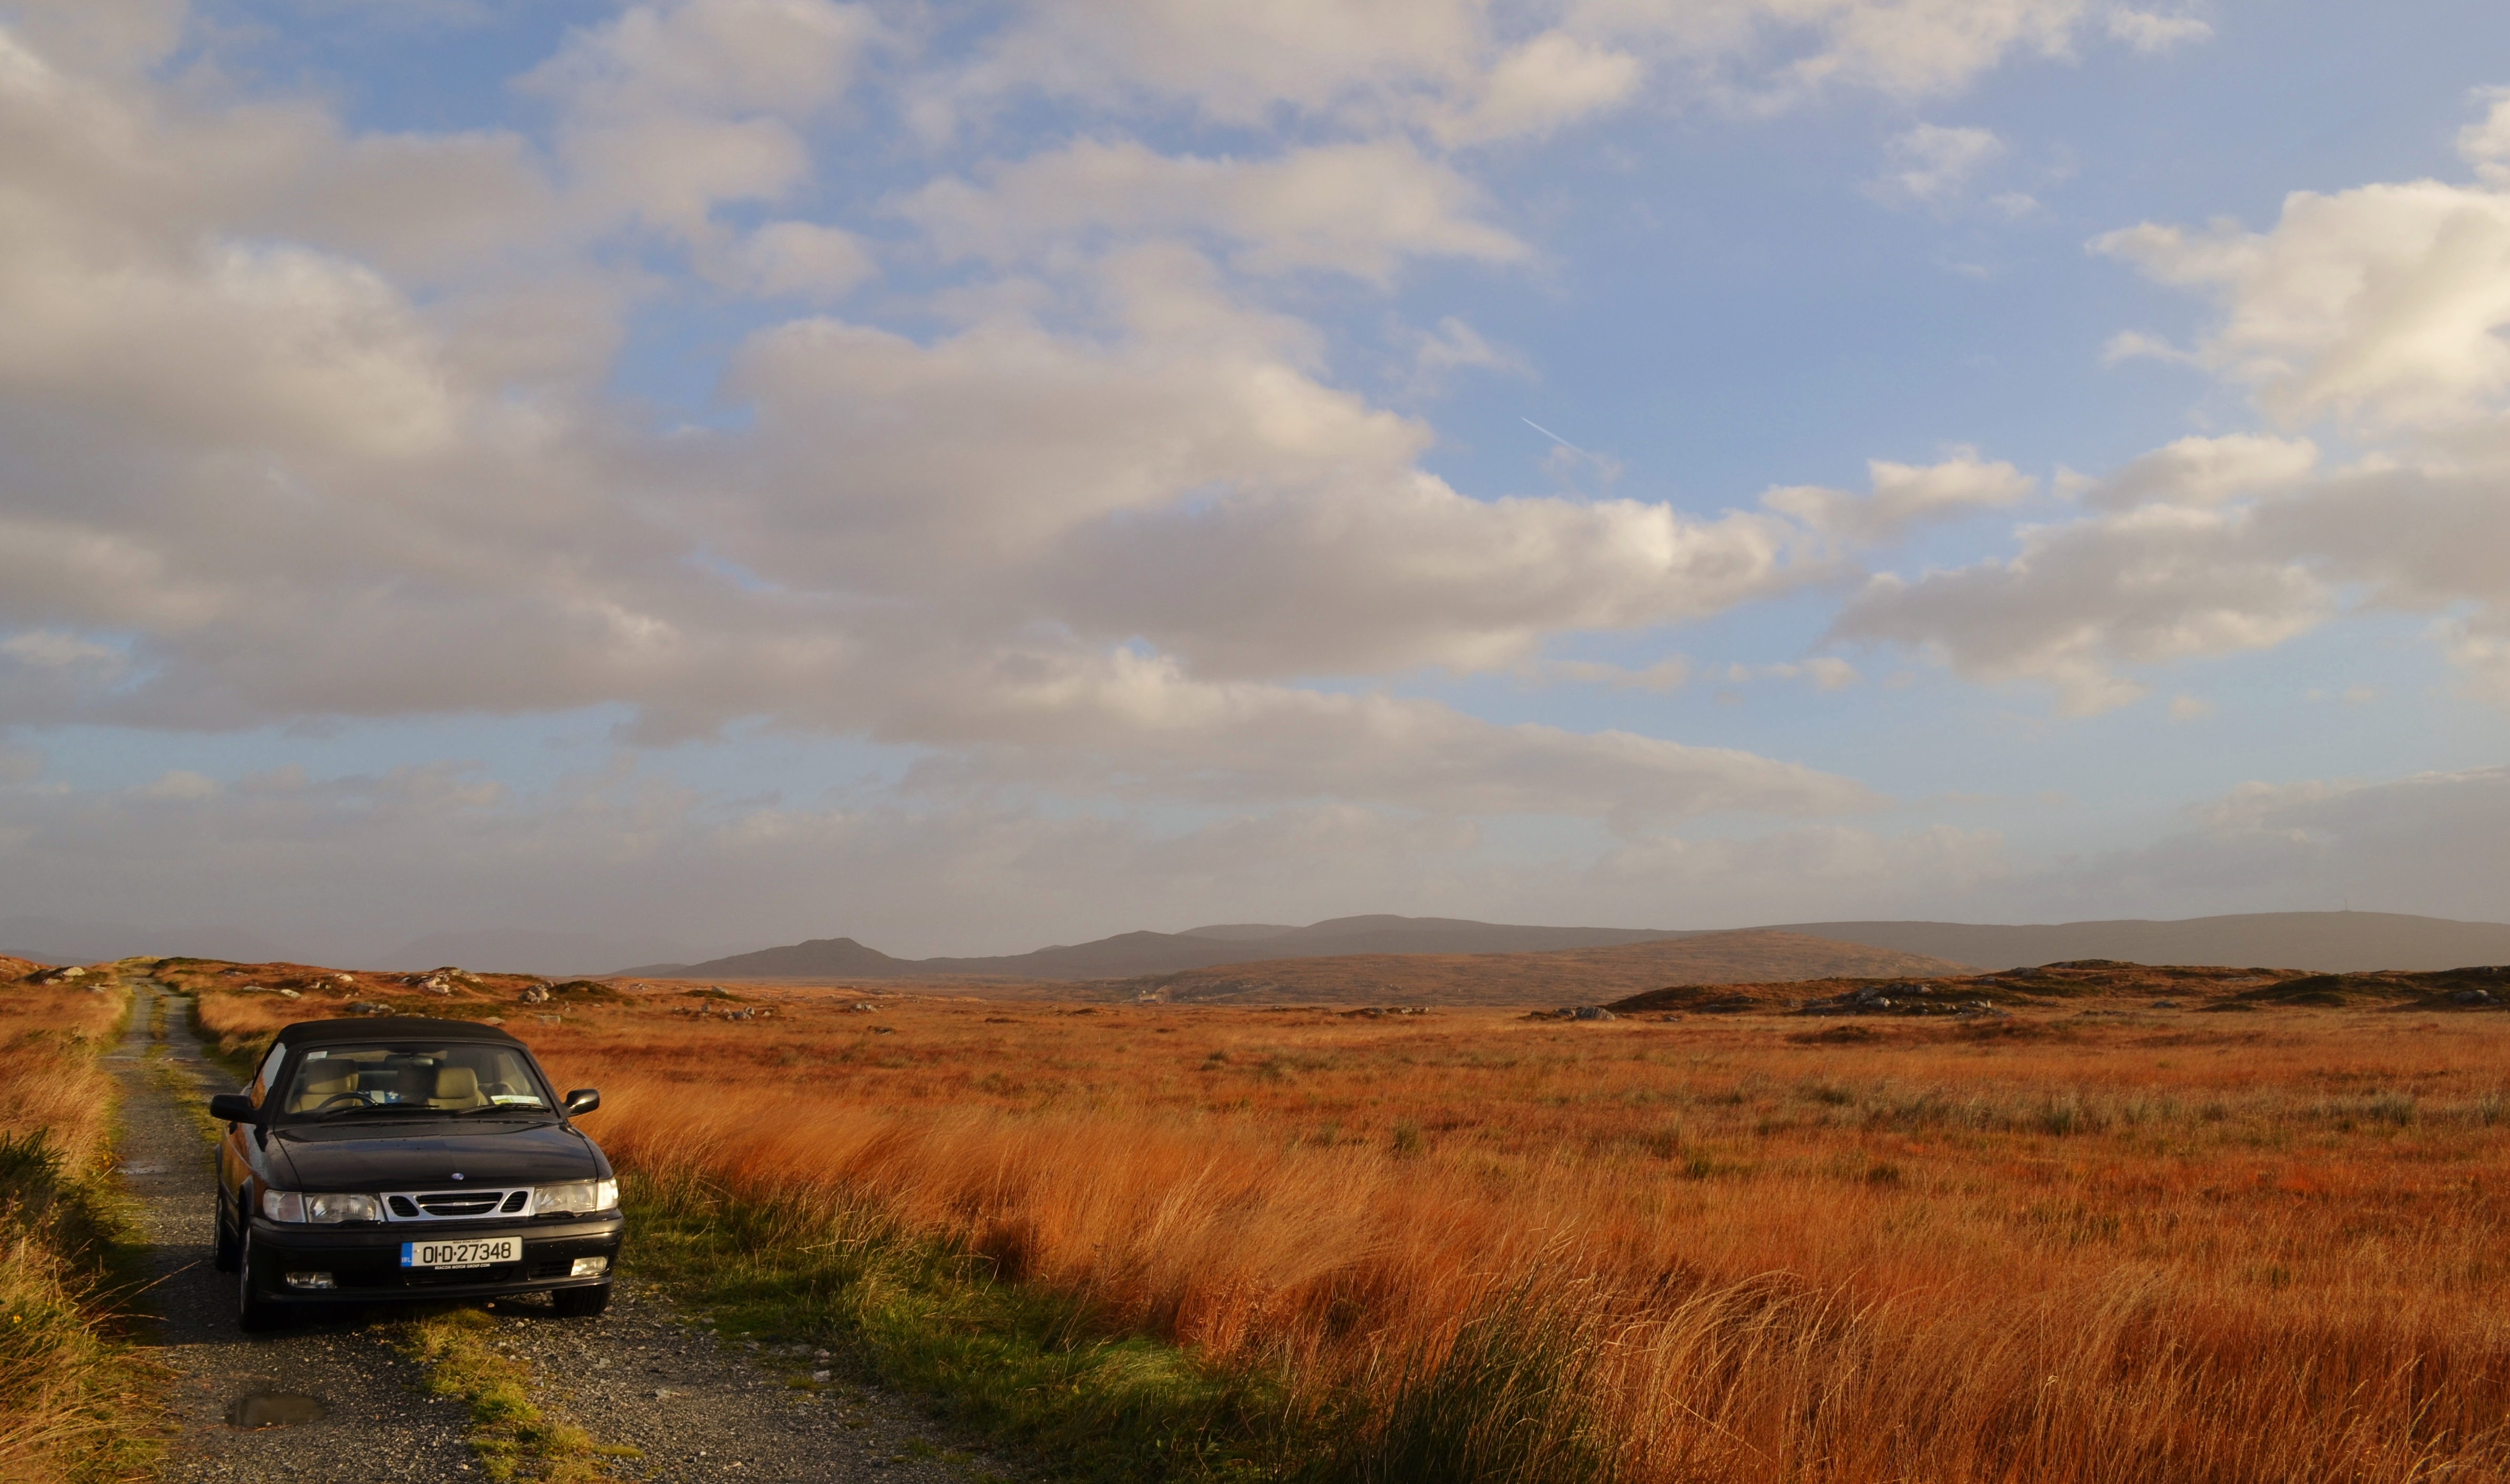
x=389, y=1028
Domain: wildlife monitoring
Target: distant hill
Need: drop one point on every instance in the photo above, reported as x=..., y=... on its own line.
x=2325, y=941
x=524, y=950
x=1129, y=955
x=1559, y=976
x=2329, y=942
x=63, y=940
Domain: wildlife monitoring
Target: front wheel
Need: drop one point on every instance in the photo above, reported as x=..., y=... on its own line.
x=227, y=1255
x=254, y=1313
x=579, y=1302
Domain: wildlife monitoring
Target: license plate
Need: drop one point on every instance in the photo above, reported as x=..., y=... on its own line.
x=461, y=1254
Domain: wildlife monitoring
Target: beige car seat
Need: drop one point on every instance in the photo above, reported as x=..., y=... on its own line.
x=320, y=1084
x=457, y=1087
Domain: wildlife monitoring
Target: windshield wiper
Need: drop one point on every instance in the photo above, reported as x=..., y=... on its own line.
x=404, y=1109
x=509, y=1112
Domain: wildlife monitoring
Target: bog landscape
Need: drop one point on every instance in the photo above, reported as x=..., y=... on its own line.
x=1312, y=742
x=1865, y=1215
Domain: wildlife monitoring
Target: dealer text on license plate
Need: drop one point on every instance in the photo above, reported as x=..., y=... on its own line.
x=480, y=1253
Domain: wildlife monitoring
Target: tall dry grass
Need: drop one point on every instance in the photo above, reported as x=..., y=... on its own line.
x=2206, y=1250
x=70, y=1402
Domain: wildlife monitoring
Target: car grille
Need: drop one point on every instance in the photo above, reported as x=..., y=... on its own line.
x=457, y=1206
x=429, y=1277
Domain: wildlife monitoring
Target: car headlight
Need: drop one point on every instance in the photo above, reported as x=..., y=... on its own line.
x=576, y=1196
x=327, y=1210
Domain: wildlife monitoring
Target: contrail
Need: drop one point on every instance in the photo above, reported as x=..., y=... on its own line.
x=1555, y=438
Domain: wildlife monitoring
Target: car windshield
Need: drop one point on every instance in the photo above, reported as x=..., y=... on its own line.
x=343, y=1081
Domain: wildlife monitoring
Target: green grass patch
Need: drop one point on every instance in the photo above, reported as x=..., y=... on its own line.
x=1505, y=1403
x=1006, y=1362
x=513, y=1439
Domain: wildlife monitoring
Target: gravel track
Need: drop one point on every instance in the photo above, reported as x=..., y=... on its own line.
x=647, y=1374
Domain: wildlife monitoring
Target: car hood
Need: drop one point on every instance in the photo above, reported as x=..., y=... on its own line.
x=404, y=1157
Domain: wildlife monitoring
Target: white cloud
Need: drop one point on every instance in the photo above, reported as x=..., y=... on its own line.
x=1933, y=165
x=2190, y=708
x=1472, y=72
x=1545, y=83
x=2208, y=471
x=803, y=259
x=2383, y=305
x=1455, y=346
x=1903, y=48
x=674, y=108
x=1826, y=671
x=787, y=58
x=2147, y=31
x=1904, y=497
x=2081, y=600
x=1412, y=574
x=52, y=649
x=1088, y=723
x=2480, y=648
x=180, y=784
x=2213, y=547
x=1665, y=676
x=1358, y=208
x=1095, y=554
x=2485, y=143
x=2137, y=344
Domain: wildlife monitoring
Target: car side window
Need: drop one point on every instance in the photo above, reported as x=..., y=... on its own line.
x=268, y=1074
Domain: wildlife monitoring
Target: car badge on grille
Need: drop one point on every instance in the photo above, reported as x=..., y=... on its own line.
x=457, y=1174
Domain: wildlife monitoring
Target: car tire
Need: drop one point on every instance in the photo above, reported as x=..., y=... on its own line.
x=579, y=1302
x=254, y=1313
x=227, y=1256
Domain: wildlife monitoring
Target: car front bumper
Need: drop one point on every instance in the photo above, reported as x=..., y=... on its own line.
x=364, y=1261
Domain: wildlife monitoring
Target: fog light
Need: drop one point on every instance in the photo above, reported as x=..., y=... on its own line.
x=590, y=1267
x=309, y=1280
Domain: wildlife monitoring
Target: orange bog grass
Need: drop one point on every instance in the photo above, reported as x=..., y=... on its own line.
x=50, y=1084
x=2060, y=1246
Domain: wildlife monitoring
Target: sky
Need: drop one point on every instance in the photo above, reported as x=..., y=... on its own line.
x=705, y=473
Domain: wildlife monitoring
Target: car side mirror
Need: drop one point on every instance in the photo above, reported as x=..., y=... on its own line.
x=233, y=1108
x=583, y=1100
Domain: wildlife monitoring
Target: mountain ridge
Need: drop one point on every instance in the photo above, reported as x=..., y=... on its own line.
x=2324, y=941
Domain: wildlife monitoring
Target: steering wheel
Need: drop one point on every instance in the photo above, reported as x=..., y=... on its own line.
x=338, y=1098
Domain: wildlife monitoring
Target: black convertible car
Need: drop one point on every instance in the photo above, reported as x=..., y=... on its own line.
x=407, y=1159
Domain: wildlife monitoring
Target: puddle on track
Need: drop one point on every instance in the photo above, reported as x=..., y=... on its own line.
x=275, y=1409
